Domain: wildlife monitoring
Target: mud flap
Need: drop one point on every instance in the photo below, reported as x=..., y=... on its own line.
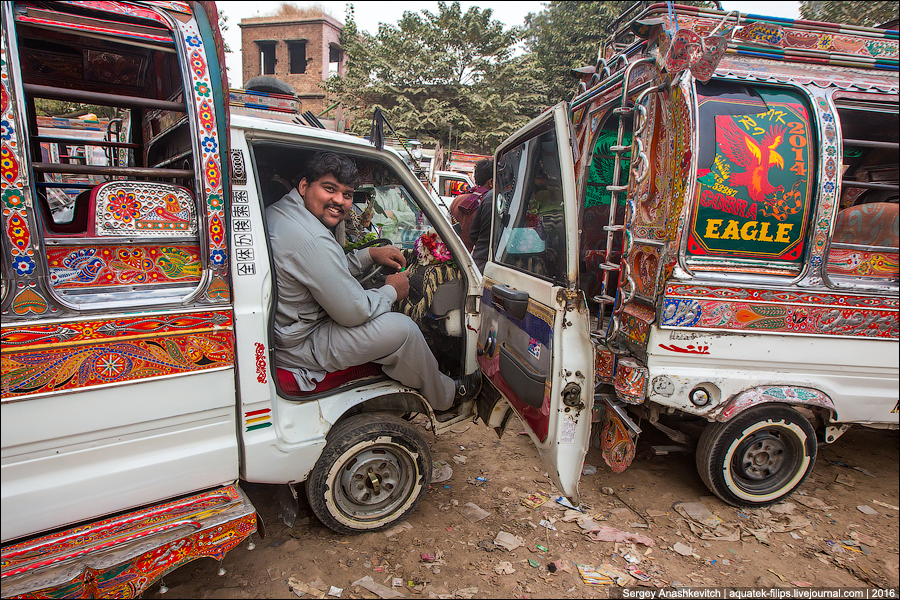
x=288, y=506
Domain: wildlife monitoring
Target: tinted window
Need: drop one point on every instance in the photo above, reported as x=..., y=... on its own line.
x=531, y=232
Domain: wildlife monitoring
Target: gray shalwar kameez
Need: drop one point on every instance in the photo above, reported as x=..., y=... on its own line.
x=325, y=321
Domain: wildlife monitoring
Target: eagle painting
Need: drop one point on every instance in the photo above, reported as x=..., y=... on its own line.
x=756, y=157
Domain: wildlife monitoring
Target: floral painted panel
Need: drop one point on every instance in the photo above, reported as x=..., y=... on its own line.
x=774, y=311
x=92, y=266
x=144, y=209
x=39, y=359
x=78, y=367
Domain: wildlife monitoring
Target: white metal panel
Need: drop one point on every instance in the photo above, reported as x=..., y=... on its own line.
x=115, y=449
x=859, y=375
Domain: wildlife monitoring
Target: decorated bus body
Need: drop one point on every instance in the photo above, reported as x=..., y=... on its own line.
x=716, y=208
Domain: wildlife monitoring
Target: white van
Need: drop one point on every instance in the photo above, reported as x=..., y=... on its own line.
x=138, y=378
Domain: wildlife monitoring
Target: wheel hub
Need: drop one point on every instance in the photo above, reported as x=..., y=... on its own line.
x=371, y=478
x=762, y=457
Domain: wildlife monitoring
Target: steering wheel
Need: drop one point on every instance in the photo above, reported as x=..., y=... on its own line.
x=376, y=269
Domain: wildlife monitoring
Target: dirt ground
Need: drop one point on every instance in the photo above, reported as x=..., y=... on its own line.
x=793, y=544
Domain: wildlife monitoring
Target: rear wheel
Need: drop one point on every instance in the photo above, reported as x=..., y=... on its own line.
x=757, y=458
x=374, y=471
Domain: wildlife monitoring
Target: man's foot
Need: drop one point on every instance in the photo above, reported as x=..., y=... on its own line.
x=467, y=387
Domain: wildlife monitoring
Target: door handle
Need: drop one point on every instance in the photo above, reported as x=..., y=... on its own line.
x=512, y=301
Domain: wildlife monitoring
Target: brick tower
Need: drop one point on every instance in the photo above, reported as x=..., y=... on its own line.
x=299, y=50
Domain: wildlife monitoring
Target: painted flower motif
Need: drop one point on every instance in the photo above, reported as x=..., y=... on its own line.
x=816, y=261
x=24, y=265
x=218, y=257
x=13, y=199
x=214, y=201
x=124, y=206
x=798, y=319
x=209, y=144
x=17, y=229
x=831, y=151
x=202, y=89
x=6, y=131
x=828, y=188
x=193, y=40
x=827, y=117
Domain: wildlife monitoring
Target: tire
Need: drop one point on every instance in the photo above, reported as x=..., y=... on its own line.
x=757, y=458
x=270, y=85
x=374, y=471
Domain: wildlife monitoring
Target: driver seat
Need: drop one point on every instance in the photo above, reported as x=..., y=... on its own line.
x=288, y=384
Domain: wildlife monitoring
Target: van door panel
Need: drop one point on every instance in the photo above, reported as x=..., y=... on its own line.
x=534, y=338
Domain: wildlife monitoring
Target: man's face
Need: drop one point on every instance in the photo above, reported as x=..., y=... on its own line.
x=327, y=199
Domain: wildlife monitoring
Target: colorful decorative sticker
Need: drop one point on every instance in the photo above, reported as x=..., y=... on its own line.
x=204, y=108
x=68, y=368
x=775, y=311
x=89, y=266
x=144, y=209
x=260, y=363
x=28, y=300
x=258, y=419
x=616, y=443
x=636, y=320
x=644, y=269
x=604, y=365
x=630, y=381
x=779, y=394
x=45, y=336
x=859, y=263
x=755, y=192
x=224, y=517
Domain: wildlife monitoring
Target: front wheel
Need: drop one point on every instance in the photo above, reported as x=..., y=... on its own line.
x=375, y=470
x=759, y=457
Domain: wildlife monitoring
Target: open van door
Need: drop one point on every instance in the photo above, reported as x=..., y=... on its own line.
x=534, y=343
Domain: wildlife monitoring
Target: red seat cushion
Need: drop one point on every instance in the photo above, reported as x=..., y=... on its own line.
x=288, y=383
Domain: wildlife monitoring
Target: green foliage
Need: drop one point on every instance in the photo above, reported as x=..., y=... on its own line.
x=223, y=25
x=868, y=13
x=433, y=73
x=566, y=35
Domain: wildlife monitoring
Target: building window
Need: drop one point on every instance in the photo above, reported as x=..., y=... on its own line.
x=298, y=56
x=334, y=60
x=267, y=58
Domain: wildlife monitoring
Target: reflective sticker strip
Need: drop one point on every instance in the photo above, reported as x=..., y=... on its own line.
x=258, y=419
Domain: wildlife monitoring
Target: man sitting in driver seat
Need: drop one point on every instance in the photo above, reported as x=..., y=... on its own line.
x=325, y=321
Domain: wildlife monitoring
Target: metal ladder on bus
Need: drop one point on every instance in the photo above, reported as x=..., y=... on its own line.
x=639, y=169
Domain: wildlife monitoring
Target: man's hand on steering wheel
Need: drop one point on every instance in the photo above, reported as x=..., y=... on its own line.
x=389, y=256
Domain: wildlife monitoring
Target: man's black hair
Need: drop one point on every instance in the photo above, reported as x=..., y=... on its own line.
x=484, y=170
x=322, y=163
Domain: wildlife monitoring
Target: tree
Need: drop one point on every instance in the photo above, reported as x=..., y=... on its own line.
x=566, y=35
x=436, y=72
x=869, y=13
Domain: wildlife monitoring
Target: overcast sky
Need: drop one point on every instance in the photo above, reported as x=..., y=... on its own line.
x=369, y=14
